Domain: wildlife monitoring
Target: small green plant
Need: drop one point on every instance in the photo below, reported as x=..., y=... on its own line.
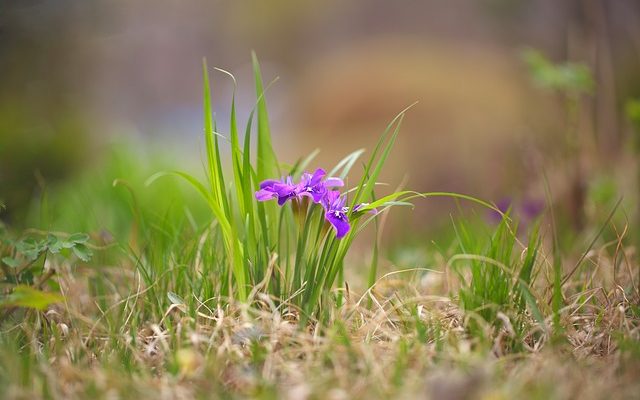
x=572, y=79
x=24, y=271
x=496, y=282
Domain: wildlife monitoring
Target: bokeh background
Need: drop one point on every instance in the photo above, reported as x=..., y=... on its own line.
x=78, y=76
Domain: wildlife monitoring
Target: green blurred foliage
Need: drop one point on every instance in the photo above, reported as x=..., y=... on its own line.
x=632, y=109
x=570, y=78
x=44, y=127
x=36, y=148
x=24, y=271
x=111, y=199
x=633, y=112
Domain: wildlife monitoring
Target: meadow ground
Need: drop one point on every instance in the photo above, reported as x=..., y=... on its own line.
x=232, y=296
x=115, y=336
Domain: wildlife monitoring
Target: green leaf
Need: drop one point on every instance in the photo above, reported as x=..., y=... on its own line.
x=214, y=166
x=302, y=164
x=54, y=244
x=25, y=296
x=78, y=238
x=384, y=145
x=11, y=262
x=82, y=252
x=575, y=78
x=236, y=152
x=25, y=244
x=67, y=244
x=267, y=162
x=346, y=164
x=31, y=248
x=31, y=255
x=175, y=299
x=531, y=302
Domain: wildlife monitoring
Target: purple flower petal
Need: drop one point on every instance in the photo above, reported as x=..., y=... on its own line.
x=265, y=194
x=336, y=212
x=339, y=221
x=283, y=190
x=317, y=176
x=283, y=199
x=532, y=208
x=314, y=193
x=268, y=183
x=330, y=200
x=312, y=185
x=333, y=182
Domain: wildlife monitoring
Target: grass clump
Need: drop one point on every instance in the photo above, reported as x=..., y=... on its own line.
x=496, y=281
x=287, y=253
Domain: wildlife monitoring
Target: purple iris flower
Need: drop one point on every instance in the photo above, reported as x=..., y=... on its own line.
x=283, y=190
x=311, y=185
x=527, y=210
x=315, y=187
x=532, y=208
x=336, y=212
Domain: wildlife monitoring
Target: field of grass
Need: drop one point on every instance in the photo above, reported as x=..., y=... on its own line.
x=136, y=282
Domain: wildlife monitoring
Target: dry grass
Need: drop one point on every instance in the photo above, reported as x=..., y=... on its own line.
x=411, y=343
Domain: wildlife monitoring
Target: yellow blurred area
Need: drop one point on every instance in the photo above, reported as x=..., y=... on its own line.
x=470, y=117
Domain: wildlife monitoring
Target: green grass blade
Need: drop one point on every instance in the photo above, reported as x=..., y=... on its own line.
x=593, y=242
x=200, y=188
x=532, y=303
x=209, y=133
x=368, y=178
x=247, y=169
x=301, y=165
x=236, y=152
x=346, y=164
x=267, y=163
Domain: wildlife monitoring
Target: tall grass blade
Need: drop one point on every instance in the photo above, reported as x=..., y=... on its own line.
x=267, y=163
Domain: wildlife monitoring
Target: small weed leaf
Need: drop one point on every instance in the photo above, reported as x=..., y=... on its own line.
x=11, y=262
x=78, y=238
x=575, y=78
x=175, y=299
x=82, y=252
x=22, y=262
x=25, y=296
x=31, y=248
x=54, y=244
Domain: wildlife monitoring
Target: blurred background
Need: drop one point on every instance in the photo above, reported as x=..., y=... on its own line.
x=508, y=91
